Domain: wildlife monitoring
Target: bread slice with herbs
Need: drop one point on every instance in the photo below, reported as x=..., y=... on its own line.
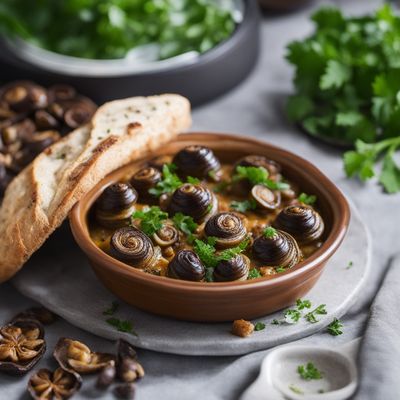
x=39, y=199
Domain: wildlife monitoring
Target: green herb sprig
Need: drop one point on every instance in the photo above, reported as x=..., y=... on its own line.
x=257, y=176
x=122, y=325
x=309, y=372
x=312, y=315
x=151, y=220
x=243, y=206
x=186, y=224
x=169, y=183
x=293, y=315
x=335, y=327
x=112, y=309
x=254, y=273
x=307, y=199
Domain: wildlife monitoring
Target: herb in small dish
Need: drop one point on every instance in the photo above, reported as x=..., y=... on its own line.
x=335, y=327
x=309, y=372
x=151, y=220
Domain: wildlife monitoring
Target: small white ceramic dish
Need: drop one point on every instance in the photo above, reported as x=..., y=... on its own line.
x=279, y=379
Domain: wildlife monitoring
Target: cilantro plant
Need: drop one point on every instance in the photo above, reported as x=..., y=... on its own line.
x=151, y=220
x=109, y=29
x=347, y=84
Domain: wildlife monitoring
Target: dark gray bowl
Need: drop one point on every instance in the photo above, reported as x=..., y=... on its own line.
x=212, y=74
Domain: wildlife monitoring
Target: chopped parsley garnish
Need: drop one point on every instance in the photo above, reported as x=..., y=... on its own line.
x=307, y=199
x=302, y=304
x=258, y=176
x=309, y=371
x=279, y=270
x=259, y=326
x=335, y=327
x=243, y=206
x=209, y=256
x=312, y=315
x=349, y=265
x=295, y=389
x=270, y=232
x=192, y=180
x=121, y=325
x=112, y=309
x=186, y=224
x=169, y=183
x=151, y=220
x=254, y=273
x=292, y=316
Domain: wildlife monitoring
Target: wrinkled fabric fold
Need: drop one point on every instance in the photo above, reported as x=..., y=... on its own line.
x=379, y=358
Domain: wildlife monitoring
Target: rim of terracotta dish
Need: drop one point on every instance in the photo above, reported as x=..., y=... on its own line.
x=337, y=232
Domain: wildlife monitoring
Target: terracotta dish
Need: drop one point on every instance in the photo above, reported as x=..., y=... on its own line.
x=219, y=301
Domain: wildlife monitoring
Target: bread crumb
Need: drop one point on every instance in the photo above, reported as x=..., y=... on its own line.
x=242, y=328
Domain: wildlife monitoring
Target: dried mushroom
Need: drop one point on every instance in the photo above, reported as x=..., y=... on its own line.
x=125, y=391
x=58, y=385
x=41, y=314
x=128, y=367
x=106, y=376
x=22, y=345
x=75, y=356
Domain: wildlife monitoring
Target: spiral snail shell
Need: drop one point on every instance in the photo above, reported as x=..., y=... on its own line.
x=133, y=247
x=302, y=222
x=168, y=235
x=227, y=228
x=277, y=250
x=116, y=205
x=186, y=265
x=145, y=179
x=235, y=269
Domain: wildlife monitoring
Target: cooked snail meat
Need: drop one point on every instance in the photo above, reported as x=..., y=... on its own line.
x=276, y=248
x=266, y=199
x=116, y=205
x=197, y=161
x=235, y=269
x=227, y=228
x=132, y=246
x=194, y=200
x=302, y=222
x=186, y=265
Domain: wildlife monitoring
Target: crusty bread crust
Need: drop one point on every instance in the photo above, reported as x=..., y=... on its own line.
x=39, y=199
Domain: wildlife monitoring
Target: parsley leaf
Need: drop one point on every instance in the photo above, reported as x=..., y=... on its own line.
x=302, y=304
x=254, y=273
x=151, y=220
x=270, y=232
x=309, y=371
x=258, y=176
x=312, y=315
x=243, y=206
x=121, y=325
x=192, y=180
x=169, y=183
x=186, y=224
x=292, y=316
x=280, y=269
x=307, y=199
x=259, y=326
x=335, y=327
x=112, y=309
x=336, y=74
x=350, y=265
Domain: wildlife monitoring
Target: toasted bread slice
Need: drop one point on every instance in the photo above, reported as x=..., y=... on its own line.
x=41, y=196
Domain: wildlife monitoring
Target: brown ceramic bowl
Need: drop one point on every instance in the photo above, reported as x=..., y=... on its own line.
x=196, y=301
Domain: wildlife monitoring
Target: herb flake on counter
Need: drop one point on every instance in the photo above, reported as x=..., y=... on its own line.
x=112, y=309
x=169, y=183
x=259, y=326
x=243, y=206
x=302, y=304
x=307, y=199
x=121, y=325
x=151, y=220
x=312, y=315
x=292, y=316
x=254, y=273
x=350, y=265
x=309, y=372
x=335, y=327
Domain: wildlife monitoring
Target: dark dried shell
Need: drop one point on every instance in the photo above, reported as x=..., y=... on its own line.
x=125, y=350
x=60, y=384
x=280, y=250
x=20, y=368
x=227, y=228
x=187, y=266
x=302, y=222
x=235, y=269
x=197, y=161
x=145, y=179
x=193, y=200
x=116, y=204
x=132, y=246
x=61, y=92
x=41, y=314
x=271, y=166
x=266, y=199
x=129, y=370
x=76, y=357
x=106, y=376
x=125, y=391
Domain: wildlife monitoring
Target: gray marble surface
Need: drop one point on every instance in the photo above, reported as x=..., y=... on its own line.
x=255, y=108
